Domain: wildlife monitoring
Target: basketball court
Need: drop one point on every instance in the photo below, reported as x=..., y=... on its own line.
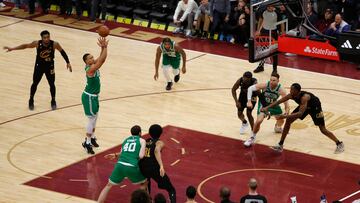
x=42, y=159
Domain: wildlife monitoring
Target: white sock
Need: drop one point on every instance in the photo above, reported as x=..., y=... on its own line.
x=176, y=71
x=88, y=140
x=93, y=135
x=253, y=134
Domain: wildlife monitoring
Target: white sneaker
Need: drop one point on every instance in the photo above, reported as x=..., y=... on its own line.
x=177, y=30
x=246, y=45
x=278, y=129
x=277, y=148
x=188, y=33
x=2, y=5
x=340, y=148
x=243, y=128
x=250, y=141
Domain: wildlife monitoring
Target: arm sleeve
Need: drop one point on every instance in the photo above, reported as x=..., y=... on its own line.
x=177, y=10
x=64, y=55
x=250, y=91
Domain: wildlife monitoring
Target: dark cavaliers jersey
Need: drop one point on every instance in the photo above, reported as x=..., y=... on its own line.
x=244, y=87
x=253, y=199
x=313, y=102
x=149, y=160
x=45, y=54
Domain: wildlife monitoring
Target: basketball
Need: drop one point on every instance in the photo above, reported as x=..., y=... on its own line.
x=103, y=31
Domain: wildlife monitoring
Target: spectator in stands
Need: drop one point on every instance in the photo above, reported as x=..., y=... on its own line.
x=184, y=16
x=338, y=26
x=241, y=31
x=95, y=9
x=159, y=198
x=140, y=196
x=2, y=5
x=323, y=24
x=219, y=16
x=80, y=9
x=311, y=14
x=65, y=7
x=190, y=194
x=202, y=16
x=253, y=196
x=45, y=5
x=225, y=195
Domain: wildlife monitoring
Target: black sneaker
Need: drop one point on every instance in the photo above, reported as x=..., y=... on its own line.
x=88, y=148
x=53, y=104
x=196, y=33
x=31, y=104
x=259, y=69
x=94, y=143
x=204, y=35
x=274, y=71
x=177, y=78
x=168, y=86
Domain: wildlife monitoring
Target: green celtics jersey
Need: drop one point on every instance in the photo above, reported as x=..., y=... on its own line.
x=130, y=149
x=169, y=52
x=92, y=83
x=271, y=95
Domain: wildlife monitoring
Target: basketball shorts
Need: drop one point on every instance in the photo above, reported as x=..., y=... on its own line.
x=315, y=112
x=174, y=62
x=243, y=101
x=90, y=104
x=122, y=171
x=154, y=173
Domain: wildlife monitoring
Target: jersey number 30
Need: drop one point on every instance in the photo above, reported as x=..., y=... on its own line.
x=130, y=147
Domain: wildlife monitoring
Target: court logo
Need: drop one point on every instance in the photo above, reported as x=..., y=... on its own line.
x=346, y=45
x=307, y=49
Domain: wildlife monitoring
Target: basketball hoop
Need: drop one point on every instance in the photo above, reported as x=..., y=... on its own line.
x=264, y=44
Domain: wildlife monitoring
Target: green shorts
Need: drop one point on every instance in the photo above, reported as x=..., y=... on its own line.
x=90, y=104
x=174, y=62
x=122, y=171
x=274, y=111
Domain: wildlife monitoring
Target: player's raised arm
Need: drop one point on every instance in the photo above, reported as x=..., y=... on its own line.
x=22, y=46
x=102, y=42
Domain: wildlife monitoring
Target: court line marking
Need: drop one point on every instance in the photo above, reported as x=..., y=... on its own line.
x=347, y=197
x=175, y=140
x=243, y=170
x=122, y=186
x=183, y=151
x=159, y=93
x=175, y=162
x=155, y=44
x=13, y=23
x=79, y=180
x=39, y=135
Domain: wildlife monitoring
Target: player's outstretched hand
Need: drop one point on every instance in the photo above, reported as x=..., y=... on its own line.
x=8, y=49
x=249, y=105
x=183, y=70
x=68, y=66
x=102, y=42
x=162, y=171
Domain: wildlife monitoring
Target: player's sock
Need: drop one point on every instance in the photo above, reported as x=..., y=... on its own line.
x=244, y=122
x=253, y=134
x=88, y=140
x=281, y=142
x=338, y=142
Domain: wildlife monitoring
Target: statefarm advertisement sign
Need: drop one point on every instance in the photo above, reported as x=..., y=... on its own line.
x=308, y=47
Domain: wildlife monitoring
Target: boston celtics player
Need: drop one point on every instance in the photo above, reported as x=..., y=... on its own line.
x=90, y=96
x=171, y=61
x=270, y=92
x=127, y=166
